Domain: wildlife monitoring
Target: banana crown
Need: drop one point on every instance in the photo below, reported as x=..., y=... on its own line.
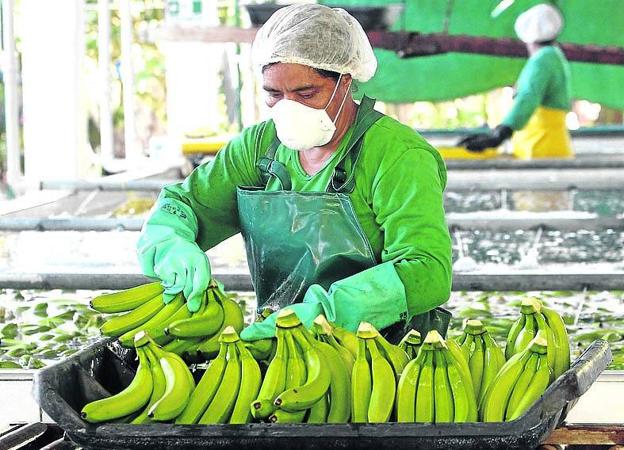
x=435, y=339
x=322, y=326
x=367, y=331
x=287, y=318
x=229, y=335
x=474, y=327
x=530, y=305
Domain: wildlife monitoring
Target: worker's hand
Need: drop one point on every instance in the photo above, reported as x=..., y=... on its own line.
x=166, y=251
x=481, y=141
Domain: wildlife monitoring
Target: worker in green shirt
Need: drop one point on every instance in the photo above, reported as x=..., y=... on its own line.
x=340, y=207
x=537, y=118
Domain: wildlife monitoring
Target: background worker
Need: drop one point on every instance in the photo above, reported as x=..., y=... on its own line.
x=542, y=99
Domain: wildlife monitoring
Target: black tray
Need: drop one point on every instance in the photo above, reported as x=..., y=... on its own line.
x=372, y=18
x=64, y=388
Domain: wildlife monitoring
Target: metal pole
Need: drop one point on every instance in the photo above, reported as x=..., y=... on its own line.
x=127, y=80
x=104, y=57
x=13, y=166
x=511, y=281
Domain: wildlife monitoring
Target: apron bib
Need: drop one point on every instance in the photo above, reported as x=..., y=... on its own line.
x=296, y=239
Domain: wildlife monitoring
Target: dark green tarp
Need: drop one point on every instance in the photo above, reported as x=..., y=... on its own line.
x=448, y=76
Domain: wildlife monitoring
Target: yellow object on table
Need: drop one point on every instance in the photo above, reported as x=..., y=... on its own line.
x=463, y=153
x=207, y=145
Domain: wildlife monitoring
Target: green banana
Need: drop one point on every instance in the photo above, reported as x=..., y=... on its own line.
x=205, y=322
x=182, y=346
x=205, y=390
x=464, y=401
x=164, y=315
x=521, y=386
x=317, y=381
x=492, y=362
x=295, y=372
x=126, y=300
x=562, y=342
x=118, y=325
x=222, y=404
x=179, y=385
x=361, y=385
x=535, y=390
x=274, y=380
x=318, y=411
x=346, y=338
x=476, y=364
x=324, y=332
x=340, y=385
x=384, y=385
x=131, y=399
x=462, y=363
x=497, y=396
x=425, y=411
x=395, y=355
x=512, y=335
x=281, y=416
x=443, y=396
x=406, y=390
x=466, y=345
x=158, y=390
x=232, y=317
x=543, y=328
x=157, y=331
x=251, y=379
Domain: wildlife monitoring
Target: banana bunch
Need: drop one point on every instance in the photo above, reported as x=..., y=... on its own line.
x=306, y=381
x=159, y=390
x=373, y=379
x=231, y=381
x=436, y=386
x=521, y=381
x=536, y=317
x=484, y=356
x=171, y=325
x=324, y=332
x=411, y=343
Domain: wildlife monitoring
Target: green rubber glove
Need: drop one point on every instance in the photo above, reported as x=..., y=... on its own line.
x=375, y=295
x=167, y=251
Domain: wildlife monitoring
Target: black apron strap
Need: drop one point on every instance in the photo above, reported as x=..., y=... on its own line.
x=366, y=117
x=340, y=181
x=269, y=167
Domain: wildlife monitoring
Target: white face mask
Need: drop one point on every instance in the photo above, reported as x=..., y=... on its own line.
x=301, y=127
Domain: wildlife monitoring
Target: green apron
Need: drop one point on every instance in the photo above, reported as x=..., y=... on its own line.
x=296, y=239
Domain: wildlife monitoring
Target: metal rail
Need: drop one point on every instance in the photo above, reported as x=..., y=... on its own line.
x=536, y=179
x=458, y=180
x=455, y=221
x=481, y=281
x=585, y=162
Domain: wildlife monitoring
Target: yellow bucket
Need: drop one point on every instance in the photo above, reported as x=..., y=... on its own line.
x=204, y=145
x=462, y=153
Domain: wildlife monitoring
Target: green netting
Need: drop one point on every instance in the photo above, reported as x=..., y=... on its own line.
x=453, y=75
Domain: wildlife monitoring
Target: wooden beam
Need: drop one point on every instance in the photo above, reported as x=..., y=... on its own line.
x=408, y=44
x=587, y=435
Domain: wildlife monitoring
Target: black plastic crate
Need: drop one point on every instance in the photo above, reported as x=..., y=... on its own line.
x=63, y=389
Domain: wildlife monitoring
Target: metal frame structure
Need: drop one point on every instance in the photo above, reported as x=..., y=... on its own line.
x=455, y=222
x=477, y=281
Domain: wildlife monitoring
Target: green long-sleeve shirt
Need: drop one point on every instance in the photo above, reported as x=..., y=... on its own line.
x=544, y=81
x=398, y=200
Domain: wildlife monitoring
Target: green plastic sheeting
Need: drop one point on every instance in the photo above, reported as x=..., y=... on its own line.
x=452, y=75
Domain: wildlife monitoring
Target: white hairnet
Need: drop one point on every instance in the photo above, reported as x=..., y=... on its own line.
x=316, y=36
x=541, y=23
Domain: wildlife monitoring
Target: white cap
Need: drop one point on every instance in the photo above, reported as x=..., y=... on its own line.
x=316, y=36
x=541, y=23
